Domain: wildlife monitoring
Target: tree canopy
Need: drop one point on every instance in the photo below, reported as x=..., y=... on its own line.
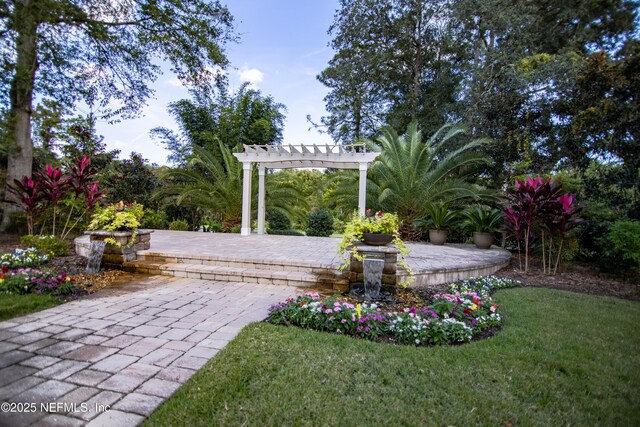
x=551, y=82
x=102, y=52
x=233, y=118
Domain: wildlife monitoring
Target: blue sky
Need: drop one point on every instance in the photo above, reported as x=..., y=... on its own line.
x=282, y=47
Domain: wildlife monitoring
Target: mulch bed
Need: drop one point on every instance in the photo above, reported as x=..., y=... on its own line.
x=578, y=277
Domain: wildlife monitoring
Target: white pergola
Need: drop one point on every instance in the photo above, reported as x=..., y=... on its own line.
x=298, y=156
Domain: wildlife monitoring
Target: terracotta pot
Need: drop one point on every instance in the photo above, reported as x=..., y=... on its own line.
x=438, y=237
x=483, y=240
x=376, y=239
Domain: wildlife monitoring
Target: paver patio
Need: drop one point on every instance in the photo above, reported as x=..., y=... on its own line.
x=128, y=352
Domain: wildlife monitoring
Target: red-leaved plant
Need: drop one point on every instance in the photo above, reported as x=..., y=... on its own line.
x=28, y=193
x=51, y=186
x=540, y=205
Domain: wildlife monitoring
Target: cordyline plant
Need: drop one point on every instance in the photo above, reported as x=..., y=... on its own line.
x=81, y=183
x=537, y=205
x=54, y=186
x=29, y=196
x=47, y=188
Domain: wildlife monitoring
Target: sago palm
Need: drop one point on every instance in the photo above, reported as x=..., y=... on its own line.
x=411, y=173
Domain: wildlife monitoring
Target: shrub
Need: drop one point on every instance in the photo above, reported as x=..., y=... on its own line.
x=120, y=216
x=154, y=219
x=212, y=225
x=622, y=248
x=277, y=221
x=179, y=225
x=319, y=223
x=49, y=245
x=20, y=258
x=540, y=206
x=286, y=232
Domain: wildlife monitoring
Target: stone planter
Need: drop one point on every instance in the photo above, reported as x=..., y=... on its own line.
x=373, y=239
x=483, y=240
x=438, y=237
x=116, y=256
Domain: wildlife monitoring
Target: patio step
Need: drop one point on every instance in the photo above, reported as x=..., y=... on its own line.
x=237, y=274
x=242, y=263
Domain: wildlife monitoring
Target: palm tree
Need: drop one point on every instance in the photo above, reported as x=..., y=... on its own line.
x=216, y=187
x=411, y=173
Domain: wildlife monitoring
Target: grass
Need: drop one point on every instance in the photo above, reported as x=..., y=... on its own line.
x=562, y=358
x=19, y=305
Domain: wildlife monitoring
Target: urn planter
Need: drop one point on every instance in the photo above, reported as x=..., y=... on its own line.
x=483, y=240
x=438, y=237
x=373, y=239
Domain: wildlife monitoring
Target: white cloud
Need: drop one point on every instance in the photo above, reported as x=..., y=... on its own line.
x=251, y=75
x=174, y=82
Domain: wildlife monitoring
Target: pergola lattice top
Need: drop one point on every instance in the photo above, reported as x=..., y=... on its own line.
x=307, y=156
x=298, y=156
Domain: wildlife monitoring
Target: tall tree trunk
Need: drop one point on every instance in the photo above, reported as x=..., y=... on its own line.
x=20, y=156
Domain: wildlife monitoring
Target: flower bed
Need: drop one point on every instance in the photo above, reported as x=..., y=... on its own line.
x=23, y=258
x=23, y=281
x=448, y=318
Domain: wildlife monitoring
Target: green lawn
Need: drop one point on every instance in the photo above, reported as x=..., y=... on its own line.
x=19, y=305
x=562, y=358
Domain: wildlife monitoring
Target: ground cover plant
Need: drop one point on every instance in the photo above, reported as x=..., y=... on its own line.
x=448, y=318
x=23, y=258
x=561, y=358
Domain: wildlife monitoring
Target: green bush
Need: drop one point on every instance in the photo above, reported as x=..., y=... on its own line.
x=48, y=245
x=338, y=225
x=179, y=225
x=621, y=253
x=154, y=219
x=277, y=221
x=211, y=225
x=287, y=232
x=319, y=223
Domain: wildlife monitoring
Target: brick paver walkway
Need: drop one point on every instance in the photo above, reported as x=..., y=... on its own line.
x=127, y=352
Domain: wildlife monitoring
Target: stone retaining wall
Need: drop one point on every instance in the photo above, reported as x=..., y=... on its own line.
x=114, y=255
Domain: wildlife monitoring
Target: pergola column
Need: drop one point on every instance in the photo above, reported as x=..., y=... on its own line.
x=246, y=199
x=362, y=191
x=261, y=194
